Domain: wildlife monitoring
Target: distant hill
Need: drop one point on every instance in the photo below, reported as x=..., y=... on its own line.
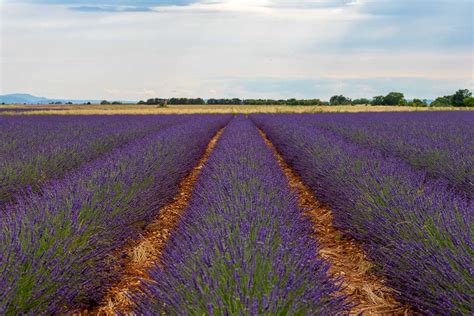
x=21, y=98
x=24, y=98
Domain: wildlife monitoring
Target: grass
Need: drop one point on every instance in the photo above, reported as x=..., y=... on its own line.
x=96, y=109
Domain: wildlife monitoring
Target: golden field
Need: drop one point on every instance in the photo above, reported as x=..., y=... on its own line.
x=133, y=109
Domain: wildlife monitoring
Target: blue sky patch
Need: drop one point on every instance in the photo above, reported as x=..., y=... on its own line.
x=117, y=2
x=88, y=8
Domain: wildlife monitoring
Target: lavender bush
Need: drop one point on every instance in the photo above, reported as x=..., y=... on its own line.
x=38, y=148
x=440, y=143
x=55, y=245
x=242, y=246
x=416, y=229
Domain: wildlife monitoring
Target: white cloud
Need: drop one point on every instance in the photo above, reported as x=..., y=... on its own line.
x=206, y=48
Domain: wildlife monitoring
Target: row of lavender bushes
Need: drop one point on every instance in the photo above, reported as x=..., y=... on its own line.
x=55, y=245
x=22, y=110
x=415, y=229
x=38, y=148
x=242, y=246
x=440, y=143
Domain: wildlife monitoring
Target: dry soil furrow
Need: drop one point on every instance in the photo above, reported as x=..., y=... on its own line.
x=363, y=288
x=143, y=253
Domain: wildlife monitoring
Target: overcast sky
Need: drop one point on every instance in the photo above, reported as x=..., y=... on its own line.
x=106, y=49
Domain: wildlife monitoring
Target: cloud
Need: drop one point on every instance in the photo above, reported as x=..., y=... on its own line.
x=110, y=9
x=411, y=24
x=311, y=4
x=416, y=8
x=245, y=48
x=132, y=3
x=352, y=87
x=108, y=6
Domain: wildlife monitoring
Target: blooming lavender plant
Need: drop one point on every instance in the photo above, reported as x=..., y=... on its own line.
x=55, y=245
x=35, y=149
x=416, y=229
x=242, y=246
x=440, y=143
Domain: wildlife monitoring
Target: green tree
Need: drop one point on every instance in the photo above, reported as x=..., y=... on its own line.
x=339, y=100
x=156, y=101
x=418, y=103
x=378, y=100
x=104, y=102
x=360, y=101
x=469, y=102
x=394, y=98
x=458, y=98
x=441, y=101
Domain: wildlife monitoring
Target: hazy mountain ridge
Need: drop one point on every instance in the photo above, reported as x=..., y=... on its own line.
x=25, y=98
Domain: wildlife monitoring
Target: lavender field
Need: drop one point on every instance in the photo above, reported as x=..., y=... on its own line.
x=198, y=215
x=406, y=196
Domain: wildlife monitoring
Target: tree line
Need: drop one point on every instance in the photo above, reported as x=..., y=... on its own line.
x=461, y=98
x=233, y=101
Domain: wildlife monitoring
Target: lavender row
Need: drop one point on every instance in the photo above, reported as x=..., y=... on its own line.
x=440, y=143
x=36, y=149
x=22, y=110
x=242, y=246
x=415, y=229
x=55, y=245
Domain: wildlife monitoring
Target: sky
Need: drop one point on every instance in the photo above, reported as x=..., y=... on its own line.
x=132, y=50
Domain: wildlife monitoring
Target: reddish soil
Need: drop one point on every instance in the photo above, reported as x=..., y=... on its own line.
x=363, y=288
x=145, y=252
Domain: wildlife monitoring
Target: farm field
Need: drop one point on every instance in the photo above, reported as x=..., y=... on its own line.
x=135, y=109
x=220, y=214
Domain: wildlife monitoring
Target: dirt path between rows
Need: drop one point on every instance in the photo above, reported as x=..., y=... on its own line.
x=145, y=252
x=366, y=290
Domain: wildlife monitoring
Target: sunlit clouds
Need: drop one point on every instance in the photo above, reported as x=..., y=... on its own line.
x=243, y=48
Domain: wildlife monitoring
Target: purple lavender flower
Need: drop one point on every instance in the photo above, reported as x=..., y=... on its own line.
x=55, y=244
x=416, y=227
x=242, y=246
